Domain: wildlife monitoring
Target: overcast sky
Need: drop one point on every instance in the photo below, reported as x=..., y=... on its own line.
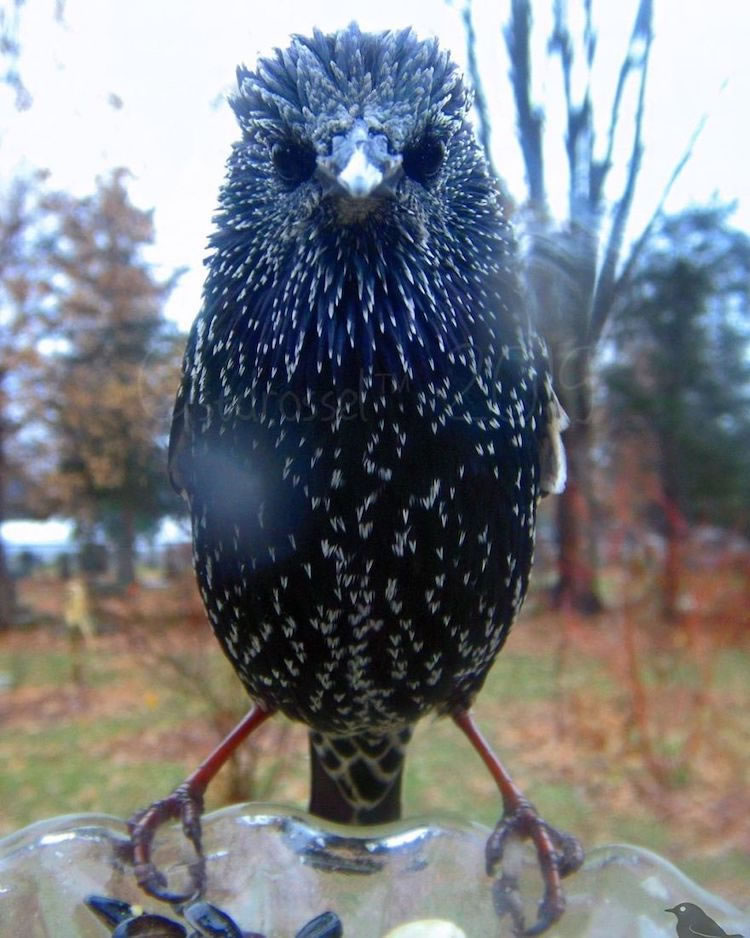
x=171, y=62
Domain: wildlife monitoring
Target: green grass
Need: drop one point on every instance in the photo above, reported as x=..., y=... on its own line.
x=73, y=783
x=102, y=751
x=67, y=767
x=731, y=669
x=52, y=668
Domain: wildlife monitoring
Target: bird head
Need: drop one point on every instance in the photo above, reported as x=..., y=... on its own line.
x=684, y=909
x=354, y=114
x=358, y=223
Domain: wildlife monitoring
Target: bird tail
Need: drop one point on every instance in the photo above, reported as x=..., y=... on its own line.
x=357, y=779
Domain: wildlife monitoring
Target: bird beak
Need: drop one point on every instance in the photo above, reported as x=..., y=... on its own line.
x=360, y=165
x=360, y=177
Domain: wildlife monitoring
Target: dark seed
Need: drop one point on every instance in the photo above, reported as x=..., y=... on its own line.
x=327, y=925
x=110, y=911
x=149, y=926
x=211, y=921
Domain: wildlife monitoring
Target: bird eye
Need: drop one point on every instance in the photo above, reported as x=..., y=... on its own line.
x=294, y=161
x=423, y=159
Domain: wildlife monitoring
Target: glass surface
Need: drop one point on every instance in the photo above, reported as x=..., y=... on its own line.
x=273, y=871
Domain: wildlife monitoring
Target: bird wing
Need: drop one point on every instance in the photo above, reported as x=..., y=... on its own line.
x=552, y=462
x=179, y=448
x=715, y=932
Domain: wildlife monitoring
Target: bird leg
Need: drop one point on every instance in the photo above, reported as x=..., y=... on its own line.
x=185, y=803
x=559, y=854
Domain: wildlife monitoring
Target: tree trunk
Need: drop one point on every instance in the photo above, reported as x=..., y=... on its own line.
x=7, y=593
x=7, y=584
x=671, y=574
x=576, y=559
x=675, y=527
x=125, y=549
x=577, y=553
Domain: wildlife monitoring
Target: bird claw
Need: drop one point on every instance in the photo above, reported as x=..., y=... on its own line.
x=506, y=898
x=183, y=804
x=559, y=854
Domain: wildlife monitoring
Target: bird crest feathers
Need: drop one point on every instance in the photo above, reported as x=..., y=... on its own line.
x=313, y=86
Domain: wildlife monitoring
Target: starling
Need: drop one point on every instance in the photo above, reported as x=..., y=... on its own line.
x=364, y=426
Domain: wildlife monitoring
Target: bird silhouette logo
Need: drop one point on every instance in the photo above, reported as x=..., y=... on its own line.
x=692, y=922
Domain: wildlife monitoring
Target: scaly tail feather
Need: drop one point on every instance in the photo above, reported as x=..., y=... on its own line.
x=357, y=779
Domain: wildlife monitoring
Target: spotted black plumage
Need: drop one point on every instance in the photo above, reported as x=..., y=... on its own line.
x=365, y=421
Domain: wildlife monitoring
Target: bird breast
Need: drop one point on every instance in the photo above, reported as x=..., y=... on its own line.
x=362, y=565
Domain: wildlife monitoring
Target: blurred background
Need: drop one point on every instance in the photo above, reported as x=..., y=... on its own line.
x=622, y=700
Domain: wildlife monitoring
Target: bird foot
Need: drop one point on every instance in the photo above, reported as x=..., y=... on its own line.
x=185, y=804
x=559, y=854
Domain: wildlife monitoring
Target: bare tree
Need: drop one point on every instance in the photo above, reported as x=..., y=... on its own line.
x=575, y=269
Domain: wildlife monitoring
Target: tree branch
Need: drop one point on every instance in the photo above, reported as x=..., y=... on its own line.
x=561, y=44
x=605, y=288
x=484, y=125
x=637, y=248
x=530, y=119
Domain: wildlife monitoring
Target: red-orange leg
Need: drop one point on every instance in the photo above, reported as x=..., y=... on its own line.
x=185, y=803
x=559, y=854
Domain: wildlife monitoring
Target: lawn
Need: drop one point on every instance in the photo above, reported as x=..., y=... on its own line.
x=619, y=728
